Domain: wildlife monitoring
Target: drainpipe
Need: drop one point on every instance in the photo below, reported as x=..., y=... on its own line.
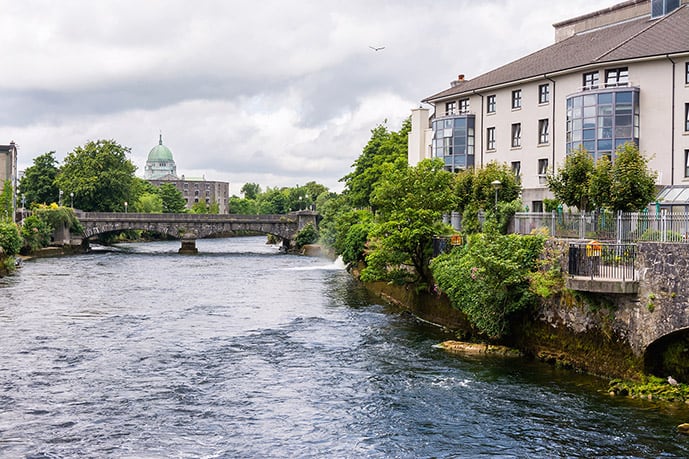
x=552, y=135
x=480, y=137
x=672, y=135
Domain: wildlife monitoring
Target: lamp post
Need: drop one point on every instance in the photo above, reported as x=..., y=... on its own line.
x=496, y=186
x=71, y=199
x=125, y=206
x=59, y=201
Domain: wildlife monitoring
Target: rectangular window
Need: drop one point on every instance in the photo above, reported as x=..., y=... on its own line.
x=490, y=104
x=517, y=98
x=591, y=80
x=517, y=169
x=686, y=73
x=686, y=163
x=450, y=108
x=616, y=77
x=517, y=135
x=490, y=138
x=686, y=117
x=543, y=131
x=543, y=93
x=542, y=170
x=537, y=206
x=463, y=105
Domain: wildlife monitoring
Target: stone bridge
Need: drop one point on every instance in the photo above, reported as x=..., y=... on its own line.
x=189, y=227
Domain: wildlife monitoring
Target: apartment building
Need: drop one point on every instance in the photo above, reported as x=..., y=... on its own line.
x=612, y=76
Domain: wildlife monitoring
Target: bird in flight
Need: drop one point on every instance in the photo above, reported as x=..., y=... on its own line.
x=377, y=48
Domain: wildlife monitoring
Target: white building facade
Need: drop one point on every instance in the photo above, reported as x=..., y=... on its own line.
x=613, y=76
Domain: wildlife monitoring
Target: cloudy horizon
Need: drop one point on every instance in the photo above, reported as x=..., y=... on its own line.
x=278, y=94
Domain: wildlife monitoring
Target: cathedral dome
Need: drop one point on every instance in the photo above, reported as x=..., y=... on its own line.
x=160, y=152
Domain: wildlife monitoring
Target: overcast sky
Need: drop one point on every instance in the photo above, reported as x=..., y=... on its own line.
x=273, y=92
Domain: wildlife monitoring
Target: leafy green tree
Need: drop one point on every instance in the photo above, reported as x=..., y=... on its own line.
x=38, y=183
x=172, y=198
x=411, y=202
x=570, y=184
x=489, y=278
x=274, y=201
x=633, y=183
x=475, y=191
x=384, y=147
x=243, y=206
x=251, y=190
x=100, y=176
x=199, y=208
x=149, y=203
x=307, y=235
x=6, y=203
x=600, y=183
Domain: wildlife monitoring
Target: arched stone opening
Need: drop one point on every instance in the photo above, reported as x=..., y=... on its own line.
x=669, y=356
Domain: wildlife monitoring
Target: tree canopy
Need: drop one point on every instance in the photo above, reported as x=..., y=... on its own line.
x=38, y=183
x=100, y=175
x=172, y=199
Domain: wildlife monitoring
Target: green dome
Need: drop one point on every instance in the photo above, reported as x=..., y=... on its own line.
x=160, y=152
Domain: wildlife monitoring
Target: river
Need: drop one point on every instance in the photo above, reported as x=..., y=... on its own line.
x=241, y=351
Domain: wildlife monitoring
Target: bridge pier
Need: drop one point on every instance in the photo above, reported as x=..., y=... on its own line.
x=188, y=246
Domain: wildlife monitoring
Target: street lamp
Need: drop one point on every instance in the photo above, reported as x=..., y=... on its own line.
x=125, y=206
x=71, y=199
x=496, y=185
x=59, y=201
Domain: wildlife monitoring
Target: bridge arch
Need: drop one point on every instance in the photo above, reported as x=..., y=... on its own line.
x=667, y=355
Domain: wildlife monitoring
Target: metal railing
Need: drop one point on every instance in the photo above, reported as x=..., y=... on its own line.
x=621, y=227
x=606, y=261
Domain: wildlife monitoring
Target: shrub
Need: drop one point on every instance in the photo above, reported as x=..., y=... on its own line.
x=488, y=279
x=307, y=235
x=35, y=233
x=10, y=238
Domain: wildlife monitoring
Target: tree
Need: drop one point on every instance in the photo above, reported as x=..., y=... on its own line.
x=251, y=190
x=411, y=202
x=600, y=183
x=384, y=147
x=6, y=204
x=570, y=184
x=100, y=176
x=172, y=199
x=243, y=206
x=149, y=203
x=38, y=183
x=632, y=182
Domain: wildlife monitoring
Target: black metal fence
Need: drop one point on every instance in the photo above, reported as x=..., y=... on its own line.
x=599, y=260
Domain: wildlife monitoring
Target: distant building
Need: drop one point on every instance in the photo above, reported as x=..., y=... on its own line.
x=160, y=168
x=8, y=169
x=612, y=76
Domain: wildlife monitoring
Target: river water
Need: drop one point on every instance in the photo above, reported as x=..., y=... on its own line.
x=242, y=351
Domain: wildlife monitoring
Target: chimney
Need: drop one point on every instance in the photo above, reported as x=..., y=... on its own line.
x=460, y=77
x=458, y=81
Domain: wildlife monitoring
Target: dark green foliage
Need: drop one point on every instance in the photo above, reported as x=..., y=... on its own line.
x=38, y=183
x=307, y=235
x=6, y=205
x=36, y=234
x=56, y=217
x=10, y=238
x=632, y=182
x=488, y=278
x=385, y=149
x=251, y=190
x=172, y=198
x=100, y=176
x=570, y=184
x=354, y=246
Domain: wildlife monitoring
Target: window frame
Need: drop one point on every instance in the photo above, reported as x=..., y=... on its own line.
x=542, y=171
x=463, y=106
x=490, y=138
x=544, y=93
x=543, y=131
x=620, y=75
x=686, y=72
x=516, y=99
x=686, y=117
x=686, y=163
x=450, y=108
x=516, y=169
x=491, y=103
x=590, y=80
x=516, y=135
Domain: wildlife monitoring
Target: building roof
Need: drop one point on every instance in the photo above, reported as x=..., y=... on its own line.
x=160, y=152
x=637, y=38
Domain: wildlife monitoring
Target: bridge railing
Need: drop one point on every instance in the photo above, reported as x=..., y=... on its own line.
x=601, y=260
